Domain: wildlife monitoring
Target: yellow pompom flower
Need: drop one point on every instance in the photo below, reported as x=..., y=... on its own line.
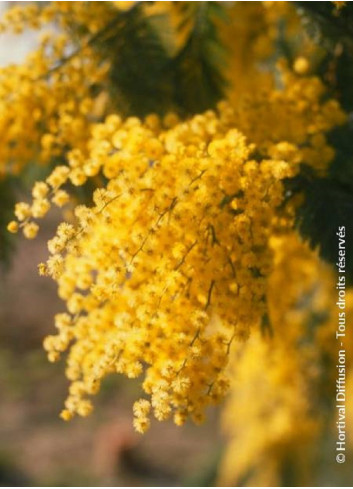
x=12, y=227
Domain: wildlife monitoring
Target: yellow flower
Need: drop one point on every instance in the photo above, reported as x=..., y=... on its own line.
x=30, y=230
x=12, y=227
x=301, y=65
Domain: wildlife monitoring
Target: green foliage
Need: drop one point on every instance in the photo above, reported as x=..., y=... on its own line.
x=139, y=74
x=328, y=205
x=147, y=76
x=326, y=24
x=329, y=201
x=198, y=66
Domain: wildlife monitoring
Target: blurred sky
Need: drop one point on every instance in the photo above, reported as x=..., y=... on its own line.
x=14, y=48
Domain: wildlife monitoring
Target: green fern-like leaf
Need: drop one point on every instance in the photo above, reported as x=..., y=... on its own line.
x=328, y=205
x=199, y=66
x=139, y=76
x=147, y=76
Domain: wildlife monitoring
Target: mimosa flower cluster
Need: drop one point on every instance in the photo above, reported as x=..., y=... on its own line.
x=48, y=118
x=48, y=102
x=180, y=255
x=171, y=262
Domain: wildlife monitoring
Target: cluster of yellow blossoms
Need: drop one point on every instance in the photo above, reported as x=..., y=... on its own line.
x=90, y=19
x=48, y=102
x=178, y=259
x=171, y=262
x=48, y=118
